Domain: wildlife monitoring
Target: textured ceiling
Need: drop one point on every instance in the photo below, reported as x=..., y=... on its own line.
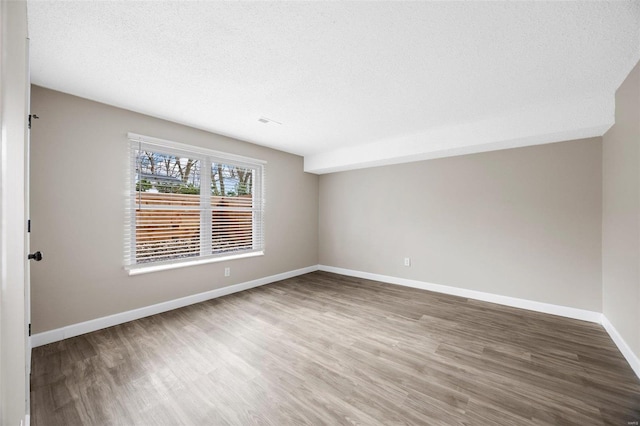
x=353, y=84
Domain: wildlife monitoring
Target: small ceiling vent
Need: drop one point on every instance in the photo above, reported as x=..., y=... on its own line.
x=268, y=120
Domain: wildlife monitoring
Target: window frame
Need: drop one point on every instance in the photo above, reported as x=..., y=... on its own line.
x=207, y=158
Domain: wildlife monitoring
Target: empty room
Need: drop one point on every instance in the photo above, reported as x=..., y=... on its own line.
x=319, y=213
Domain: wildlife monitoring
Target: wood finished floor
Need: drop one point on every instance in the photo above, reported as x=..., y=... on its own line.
x=327, y=349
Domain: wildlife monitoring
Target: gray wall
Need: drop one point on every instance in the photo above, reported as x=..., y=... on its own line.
x=522, y=222
x=78, y=164
x=621, y=214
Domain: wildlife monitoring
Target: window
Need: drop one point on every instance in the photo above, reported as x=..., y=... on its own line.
x=190, y=205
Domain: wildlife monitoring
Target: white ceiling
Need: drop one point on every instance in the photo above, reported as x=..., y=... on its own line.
x=354, y=84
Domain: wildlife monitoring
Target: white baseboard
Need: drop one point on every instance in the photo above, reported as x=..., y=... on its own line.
x=629, y=355
x=515, y=302
x=73, y=330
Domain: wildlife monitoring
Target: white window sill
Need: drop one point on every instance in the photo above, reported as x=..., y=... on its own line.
x=137, y=270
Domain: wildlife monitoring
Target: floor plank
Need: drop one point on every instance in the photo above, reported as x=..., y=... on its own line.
x=327, y=349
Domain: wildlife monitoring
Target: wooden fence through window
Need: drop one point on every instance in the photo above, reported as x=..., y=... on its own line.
x=172, y=230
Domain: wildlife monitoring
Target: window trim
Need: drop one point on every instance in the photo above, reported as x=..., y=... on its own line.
x=130, y=243
x=158, y=266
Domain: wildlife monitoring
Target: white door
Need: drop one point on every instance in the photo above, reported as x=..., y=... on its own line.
x=14, y=89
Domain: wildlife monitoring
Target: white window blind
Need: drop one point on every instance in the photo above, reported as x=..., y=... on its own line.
x=186, y=203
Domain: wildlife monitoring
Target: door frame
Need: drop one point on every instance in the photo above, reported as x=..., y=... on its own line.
x=27, y=234
x=14, y=89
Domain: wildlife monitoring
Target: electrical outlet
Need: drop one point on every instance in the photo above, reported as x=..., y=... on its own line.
x=227, y=272
x=407, y=261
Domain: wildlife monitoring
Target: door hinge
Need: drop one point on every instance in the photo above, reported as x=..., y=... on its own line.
x=35, y=117
x=29, y=225
x=29, y=329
